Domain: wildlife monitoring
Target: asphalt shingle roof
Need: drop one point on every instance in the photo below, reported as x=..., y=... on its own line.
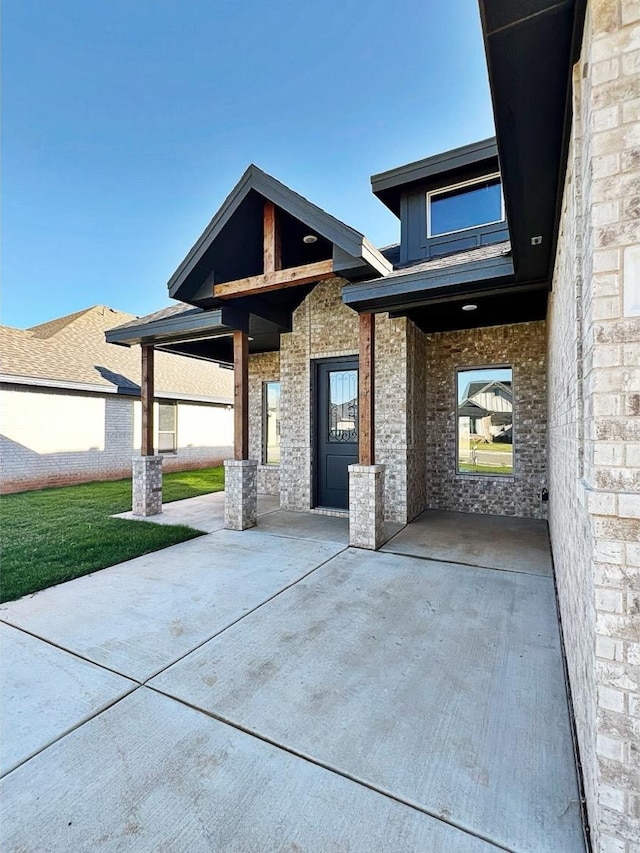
x=73, y=349
x=479, y=253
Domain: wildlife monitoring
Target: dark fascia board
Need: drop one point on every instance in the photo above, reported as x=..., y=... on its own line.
x=212, y=324
x=418, y=288
x=337, y=232
x=388, y=186
x=505, y=21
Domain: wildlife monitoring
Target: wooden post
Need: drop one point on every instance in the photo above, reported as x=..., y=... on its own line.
x=146, y=395
x=272, y=259
x=366, y=396
x=241, y=395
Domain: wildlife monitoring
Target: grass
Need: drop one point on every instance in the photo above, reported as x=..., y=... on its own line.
x=492, y=447
x=53, y=535
x=468, y=468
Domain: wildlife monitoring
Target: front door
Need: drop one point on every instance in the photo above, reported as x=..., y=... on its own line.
x=336, y=429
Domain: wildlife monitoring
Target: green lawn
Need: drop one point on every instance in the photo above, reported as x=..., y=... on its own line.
x=53, y=535
x=494, y=447
x=468, y=468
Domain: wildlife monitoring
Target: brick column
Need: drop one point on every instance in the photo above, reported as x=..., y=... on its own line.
x=147, y=485
x=366, y=506
x=241, y=493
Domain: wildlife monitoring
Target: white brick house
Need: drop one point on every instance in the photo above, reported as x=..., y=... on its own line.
x=519, y=263
x=70, y=405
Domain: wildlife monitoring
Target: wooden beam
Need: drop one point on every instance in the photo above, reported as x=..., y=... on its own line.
x=272, y=256
x=241, y=395
x=146, y=395
x=366, y=390
x=276, y=280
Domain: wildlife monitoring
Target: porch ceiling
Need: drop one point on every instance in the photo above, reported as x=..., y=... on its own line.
x=231, y=257
x=207, y=334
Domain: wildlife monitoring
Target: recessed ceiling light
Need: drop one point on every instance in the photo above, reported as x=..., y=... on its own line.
x=309, y=238
x=469, y=307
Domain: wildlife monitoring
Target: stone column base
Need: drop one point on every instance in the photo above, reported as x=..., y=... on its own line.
x=147, y=485
x=240, y=493
x=366, y=506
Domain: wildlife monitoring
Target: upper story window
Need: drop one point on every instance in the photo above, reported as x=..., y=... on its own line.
x=463, y=206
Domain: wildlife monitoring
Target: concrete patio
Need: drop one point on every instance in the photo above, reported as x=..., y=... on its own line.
x=277, y=690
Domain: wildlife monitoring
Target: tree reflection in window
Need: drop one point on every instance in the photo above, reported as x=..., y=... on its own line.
x=343, y=406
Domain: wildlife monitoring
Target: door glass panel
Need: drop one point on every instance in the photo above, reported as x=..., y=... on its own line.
x=343, y=406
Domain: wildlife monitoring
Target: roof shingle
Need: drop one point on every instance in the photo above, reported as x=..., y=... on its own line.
x=73, y=349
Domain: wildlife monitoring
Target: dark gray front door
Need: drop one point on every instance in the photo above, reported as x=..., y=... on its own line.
x=336, y=429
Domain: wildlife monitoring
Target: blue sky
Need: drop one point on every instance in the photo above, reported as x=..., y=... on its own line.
x=127, y=122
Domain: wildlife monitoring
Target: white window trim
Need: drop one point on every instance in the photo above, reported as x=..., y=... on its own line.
x=458, y=186
x=174, y=432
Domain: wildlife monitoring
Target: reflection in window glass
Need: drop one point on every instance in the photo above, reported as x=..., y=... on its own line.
x=271, y=423
x=465, y=207
x=343, y=406
x=167, y=439
x=485, y=421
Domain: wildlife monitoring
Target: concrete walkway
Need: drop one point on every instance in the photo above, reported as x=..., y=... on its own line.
x=277, y=690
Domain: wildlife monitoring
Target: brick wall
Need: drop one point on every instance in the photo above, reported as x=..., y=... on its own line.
x=521, y=346
x=263, y=367
x=55, y=438
x=323, y=327
x=594, y=429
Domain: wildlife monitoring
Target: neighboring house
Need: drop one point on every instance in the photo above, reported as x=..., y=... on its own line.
x=519, y=258
x=70, y=405
x=489, y=408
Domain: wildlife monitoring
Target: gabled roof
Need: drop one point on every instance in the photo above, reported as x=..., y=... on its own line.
x=475, y=388
x=71, y=352
x=351, y=249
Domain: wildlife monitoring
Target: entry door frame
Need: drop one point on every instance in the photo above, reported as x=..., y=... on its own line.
x=316, y=367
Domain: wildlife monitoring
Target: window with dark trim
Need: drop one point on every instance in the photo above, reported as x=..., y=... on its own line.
x=167, y=427
x=485, y=421
x=271, y=423
x=466, y=205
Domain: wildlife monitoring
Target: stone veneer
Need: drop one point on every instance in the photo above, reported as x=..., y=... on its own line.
x=522, y=347
x=366, y=506
x=263, y=367
x=240, y=493
x=147, y=485
x=323, y=327
x=594, y=420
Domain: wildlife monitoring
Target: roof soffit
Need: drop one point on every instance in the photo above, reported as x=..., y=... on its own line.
x=350, y=250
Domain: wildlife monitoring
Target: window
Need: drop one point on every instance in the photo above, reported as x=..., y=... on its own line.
x=167, y=422
x=271, y=423
x=485, y=421
x=343, y=406
x=464, y=206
